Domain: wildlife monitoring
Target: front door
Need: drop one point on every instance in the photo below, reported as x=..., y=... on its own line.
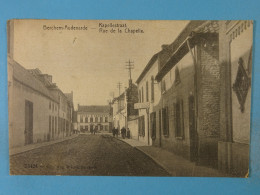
x=28, y=122
x=193, y=131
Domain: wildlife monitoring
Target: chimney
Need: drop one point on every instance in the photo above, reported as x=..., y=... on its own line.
x=49, y=77
x=165, y=46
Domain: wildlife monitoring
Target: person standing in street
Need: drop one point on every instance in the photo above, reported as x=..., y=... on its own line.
x=114, y=131
x=95, y=130
x=123, y=132
x=128, y=133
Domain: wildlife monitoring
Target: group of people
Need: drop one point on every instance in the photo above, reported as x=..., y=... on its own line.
x=94, y=131
x=124, y=133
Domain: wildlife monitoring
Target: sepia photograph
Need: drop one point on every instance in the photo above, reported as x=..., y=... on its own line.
x=164, y=98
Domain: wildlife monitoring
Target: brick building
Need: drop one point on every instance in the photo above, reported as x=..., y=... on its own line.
x=90, y=117
x=236, y=39
x=184, y=118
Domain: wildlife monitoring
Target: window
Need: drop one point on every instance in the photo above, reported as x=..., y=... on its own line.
x=142, y=94
x=165, y=120
x=152, y=89
x=49, y=125
x=101, y=127
x=81, y=119
x=106, y=119
x=106, y=127
x=141, y=126
x=177, y=76
x=139, y=95
x=179, y=122
x=153, y=124
x=101, y=119
x=96, y=119
x=91, y=119
x=163, y=86
x=86, y=119
x=55, y=124
x=52, y=128
x=147, y=92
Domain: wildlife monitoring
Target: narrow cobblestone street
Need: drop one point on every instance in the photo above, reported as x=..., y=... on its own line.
x=85, y=155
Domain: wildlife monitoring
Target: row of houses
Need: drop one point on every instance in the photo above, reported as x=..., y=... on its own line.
x=38, y=110
x=194, y=96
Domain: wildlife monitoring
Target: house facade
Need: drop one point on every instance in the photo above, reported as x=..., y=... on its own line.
x=236, y=39
x=186, y=114
x=35, y=108
x=119, y=111
x=91, y=117
x=149, y=96
x=124, y=113
x=35, y=111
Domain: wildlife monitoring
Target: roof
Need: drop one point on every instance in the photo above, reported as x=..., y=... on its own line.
x=23, y=76
x=69, y=96
x=147, y=67
x=163, y=55
x=44, y=78
x=122, y=96
x=94, y=108
x=192, y=31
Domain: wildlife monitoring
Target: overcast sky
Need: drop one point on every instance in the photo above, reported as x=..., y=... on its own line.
x=89, y=62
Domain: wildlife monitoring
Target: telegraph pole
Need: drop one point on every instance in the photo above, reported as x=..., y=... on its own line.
x=130, y=66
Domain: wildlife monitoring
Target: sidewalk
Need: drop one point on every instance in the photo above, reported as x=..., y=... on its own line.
x=132, y=142
x=175, y=165
x=17, y=150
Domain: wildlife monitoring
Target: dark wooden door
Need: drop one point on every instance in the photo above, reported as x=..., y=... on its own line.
x=193, y=131
x=28, y=122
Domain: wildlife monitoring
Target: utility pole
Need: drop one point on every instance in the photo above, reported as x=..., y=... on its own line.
x=130, y=66
x=119, y=85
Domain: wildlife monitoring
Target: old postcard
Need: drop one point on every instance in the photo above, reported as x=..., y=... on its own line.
x=129, y=97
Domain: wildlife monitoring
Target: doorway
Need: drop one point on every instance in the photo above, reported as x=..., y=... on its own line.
x=193, y=131
x=28, y=122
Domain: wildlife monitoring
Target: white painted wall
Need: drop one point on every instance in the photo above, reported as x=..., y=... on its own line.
x=240, y=47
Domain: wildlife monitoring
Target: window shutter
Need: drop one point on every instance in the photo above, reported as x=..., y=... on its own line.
x=167, y=121
x=182, y=119
x=175, y=119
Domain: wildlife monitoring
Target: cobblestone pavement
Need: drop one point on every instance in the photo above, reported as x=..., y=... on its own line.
x=86, y=155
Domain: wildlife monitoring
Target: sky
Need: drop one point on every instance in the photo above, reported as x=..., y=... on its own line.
x=91, y=61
